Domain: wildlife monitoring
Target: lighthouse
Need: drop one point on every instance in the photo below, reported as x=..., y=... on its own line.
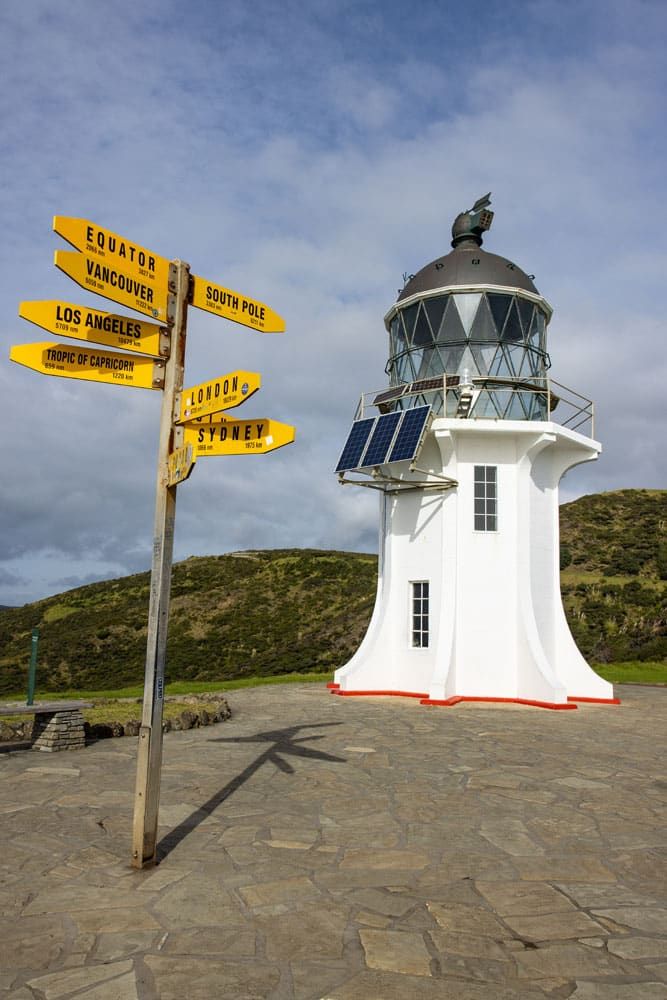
x=466, y=447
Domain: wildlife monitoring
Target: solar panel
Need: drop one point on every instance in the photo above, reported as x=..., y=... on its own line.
x=410, y=434
x=389, y=394
x=381, y=438
x=355, y=444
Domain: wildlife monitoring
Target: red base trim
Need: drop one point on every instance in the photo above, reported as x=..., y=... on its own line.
x=597, y=701
x=384, y=694
x=512, y=701
x=333, y=686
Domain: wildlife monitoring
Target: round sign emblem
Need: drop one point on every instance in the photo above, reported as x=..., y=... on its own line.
x=244, y=389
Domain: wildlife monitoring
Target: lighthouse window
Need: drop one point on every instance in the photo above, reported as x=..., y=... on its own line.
x=485, y=498
x=420, y=614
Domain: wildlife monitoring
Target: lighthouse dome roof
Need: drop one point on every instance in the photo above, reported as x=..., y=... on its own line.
x=467, y=265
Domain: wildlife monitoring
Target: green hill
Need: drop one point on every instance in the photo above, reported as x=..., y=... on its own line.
x=271, y=612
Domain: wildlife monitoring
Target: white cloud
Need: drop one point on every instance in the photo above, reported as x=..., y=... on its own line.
x=309, y=160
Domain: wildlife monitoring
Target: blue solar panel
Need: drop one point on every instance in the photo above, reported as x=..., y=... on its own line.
x=409, y=434
x=355, y=444
x=381, y=439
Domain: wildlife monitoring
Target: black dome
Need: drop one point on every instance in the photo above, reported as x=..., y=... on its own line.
x=467, y=265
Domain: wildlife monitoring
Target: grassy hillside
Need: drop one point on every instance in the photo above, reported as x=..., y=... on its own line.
x=267, y=613
x=613, y=573
x=258, y=613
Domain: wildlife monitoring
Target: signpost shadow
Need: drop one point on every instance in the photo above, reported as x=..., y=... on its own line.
x=281, y=743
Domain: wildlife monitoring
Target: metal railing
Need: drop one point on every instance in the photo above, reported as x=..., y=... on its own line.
x=487, y=397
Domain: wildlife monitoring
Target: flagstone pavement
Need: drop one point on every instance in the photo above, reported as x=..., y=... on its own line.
x=325, y=848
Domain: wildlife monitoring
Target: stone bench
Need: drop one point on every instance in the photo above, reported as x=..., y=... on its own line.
x=58, y=725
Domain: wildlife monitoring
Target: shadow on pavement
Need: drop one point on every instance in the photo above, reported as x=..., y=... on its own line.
x=282, y=743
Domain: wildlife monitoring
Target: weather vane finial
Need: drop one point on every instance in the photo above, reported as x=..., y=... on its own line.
x=469, y=226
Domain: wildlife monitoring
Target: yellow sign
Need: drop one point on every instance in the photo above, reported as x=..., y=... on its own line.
x=221, y=394
x=113, y=249
x=82, y=323
x=92, y=365
x=238, y=437
x=180, y=464
x=235, y=306
x=111, y=283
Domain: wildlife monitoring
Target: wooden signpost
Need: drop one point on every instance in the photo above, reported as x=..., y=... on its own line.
x=191, y=424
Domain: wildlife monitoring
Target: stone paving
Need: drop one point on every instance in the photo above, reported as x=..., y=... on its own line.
x=322, y=848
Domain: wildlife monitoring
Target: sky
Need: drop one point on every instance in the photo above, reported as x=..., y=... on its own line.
x=309, y=155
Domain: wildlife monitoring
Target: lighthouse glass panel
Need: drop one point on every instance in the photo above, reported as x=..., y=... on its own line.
x=420, y=614
x=497, y=339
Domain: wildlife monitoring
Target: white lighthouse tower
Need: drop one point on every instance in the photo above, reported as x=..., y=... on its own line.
x=467, y=447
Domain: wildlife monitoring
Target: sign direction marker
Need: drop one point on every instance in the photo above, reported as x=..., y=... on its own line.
x=235, y=306
x=93, y=326
x=220, y=394
x=92, y=365
x=180, y=464
x=238, y=437
x=110, y=248
x=112, y=283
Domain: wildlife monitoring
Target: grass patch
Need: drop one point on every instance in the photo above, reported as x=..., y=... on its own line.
x=633, y=672
x=179, y=687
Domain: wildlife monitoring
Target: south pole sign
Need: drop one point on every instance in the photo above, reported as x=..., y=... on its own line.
x=191, y=422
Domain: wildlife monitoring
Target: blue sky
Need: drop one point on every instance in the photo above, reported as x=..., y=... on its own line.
x=309, y=155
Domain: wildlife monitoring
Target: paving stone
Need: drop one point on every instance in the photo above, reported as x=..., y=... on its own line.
x=569, y=960
x=59, y=984
x=453, y=943
x=628, y=991
x=303, y=864
x=309, y=933
x=197, y=979
x=284, y=891
x=31, y=942
x=509, y=898
x=391, y=904
x=384, y=859
x=236, y=941
x=654, y=921
x=395, y=951
x=638, y=947
x=470, y=919
x=122, y=944
x=553, y=926
x=196, y=901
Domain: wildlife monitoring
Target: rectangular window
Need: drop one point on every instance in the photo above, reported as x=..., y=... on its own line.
x=485, y=498
x=420, y=614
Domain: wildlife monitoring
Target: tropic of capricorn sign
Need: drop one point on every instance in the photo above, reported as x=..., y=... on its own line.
x=191, y=421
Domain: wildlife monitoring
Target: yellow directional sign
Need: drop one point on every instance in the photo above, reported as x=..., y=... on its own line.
x=119, y=286
x=113, y=249
x=95, y=327
x=235, y=306
x=220, y=394
x=180, y=464
x=238, y=437
x=90, y=364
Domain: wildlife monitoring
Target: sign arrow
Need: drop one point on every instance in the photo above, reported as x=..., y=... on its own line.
x=235, y=306
x=220, y=394
x=238, y=437
x=112, y=283
x=92, y=365
x=93, y=326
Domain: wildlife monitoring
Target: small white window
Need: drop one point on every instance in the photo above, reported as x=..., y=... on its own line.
x=486, y=498
x=420, y=614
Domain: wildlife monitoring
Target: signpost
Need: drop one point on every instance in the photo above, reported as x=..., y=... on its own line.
x=220, y=394
x=95, y=327
x=190, y=421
